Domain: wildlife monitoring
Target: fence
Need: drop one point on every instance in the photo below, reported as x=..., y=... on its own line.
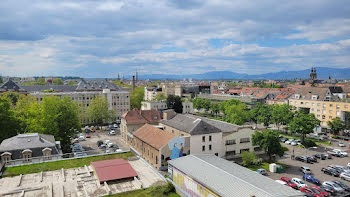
x=67, y=156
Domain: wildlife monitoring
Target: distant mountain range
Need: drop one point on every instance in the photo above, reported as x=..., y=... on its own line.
x=322, y=73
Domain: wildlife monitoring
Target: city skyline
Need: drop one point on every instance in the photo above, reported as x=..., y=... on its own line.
x=102, y=39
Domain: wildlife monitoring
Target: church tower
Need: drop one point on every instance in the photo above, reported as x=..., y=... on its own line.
x=313, y=75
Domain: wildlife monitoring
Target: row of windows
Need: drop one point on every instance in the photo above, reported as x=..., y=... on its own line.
x=319, y=104
x=209, y=147
x=203, y=138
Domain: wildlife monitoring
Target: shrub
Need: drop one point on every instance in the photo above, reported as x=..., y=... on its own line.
x=285, y=149
x=309, y=143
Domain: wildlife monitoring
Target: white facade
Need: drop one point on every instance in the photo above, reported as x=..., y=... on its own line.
x=206, y=144
x=119, y=101
x=148, y=105
x=187, y=107
x=150, y=94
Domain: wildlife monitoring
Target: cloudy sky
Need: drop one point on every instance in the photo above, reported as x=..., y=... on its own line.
x=103, y=38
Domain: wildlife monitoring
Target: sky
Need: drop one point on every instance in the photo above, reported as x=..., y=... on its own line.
x=102, y=38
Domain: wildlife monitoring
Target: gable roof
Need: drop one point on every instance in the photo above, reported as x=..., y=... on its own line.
x=224, y=177
x=307, y=92
x=27, y=141
x=10, y=85
x=153, y=136
x=142, y=116
x=223, y=126
x=115, y=169
x=191, y=125
x=96, y=84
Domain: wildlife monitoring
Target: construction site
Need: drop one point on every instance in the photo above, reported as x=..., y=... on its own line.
x=77, y=182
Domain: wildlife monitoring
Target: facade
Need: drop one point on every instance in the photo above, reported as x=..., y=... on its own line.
x=29, y=146
x=151, y=93
x=204, y=138
x=157, y=146
x=118, y=101
x=187, y=107
x=148, y=105
x=211, y=176
x=323, y=102
x=134, y=119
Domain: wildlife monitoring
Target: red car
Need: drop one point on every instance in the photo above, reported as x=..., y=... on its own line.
x=321, y=190
x=88, y=136
x=289, y=182
x=312, y=191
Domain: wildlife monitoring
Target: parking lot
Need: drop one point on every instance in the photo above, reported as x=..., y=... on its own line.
x=90, y=144
x=293, y=169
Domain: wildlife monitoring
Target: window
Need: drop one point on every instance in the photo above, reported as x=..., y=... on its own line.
x=209, y=146
x=324, y=112
x=245, y=140
x=330, y=105
x=258, y=148
x=209, y=138
x=338, y=113
x=338, y=106
x=330, y=111
x=330, y=117
x=156, y=159
x=203, y=148
x=230, y=153
x=230, y=142
x=318, y=104
x=323, y=117
x=318, y=115
x=203, y=139
x=324, y=105
x=242, y=150
x=346, y=106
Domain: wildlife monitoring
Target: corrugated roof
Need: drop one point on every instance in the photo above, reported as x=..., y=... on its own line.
x=114, y=169
x=153, y=136
x=190, y=125
x=226, y=178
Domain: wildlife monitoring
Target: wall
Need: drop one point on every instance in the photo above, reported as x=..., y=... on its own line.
x=148, y=105
x=187, y=107
x=128, y=128
x=192, y=187
x=174, y=131
x=197, y=143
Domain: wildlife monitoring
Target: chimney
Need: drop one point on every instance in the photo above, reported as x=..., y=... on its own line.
x=133, y=82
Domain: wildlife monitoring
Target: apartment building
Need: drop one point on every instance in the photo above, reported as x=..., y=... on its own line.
x=148, y=105
x=325, y=103
x=151, y=93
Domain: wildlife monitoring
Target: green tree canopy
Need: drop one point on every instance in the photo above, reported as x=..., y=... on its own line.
x=41, y=81
x=269, y=141
x=303, y=124
x=9, y=124
x=264, y=115
x=13, y=96
x=160, y=97
x=281, y=114
x=215, y=108
x=174, y=102
x=136, y=97
x=99, y=112
x=336, y=125
x=57, y=81
x=72, y=83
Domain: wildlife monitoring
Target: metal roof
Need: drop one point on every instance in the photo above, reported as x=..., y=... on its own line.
x=114, y=169
x=226, y=178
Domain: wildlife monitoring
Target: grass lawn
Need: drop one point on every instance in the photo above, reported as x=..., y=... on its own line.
x=56, y=165
x=266, y=166
x=157, y=191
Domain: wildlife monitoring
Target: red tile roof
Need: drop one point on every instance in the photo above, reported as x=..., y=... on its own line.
x=142, y=116
x=114, y=169
x=153, y=136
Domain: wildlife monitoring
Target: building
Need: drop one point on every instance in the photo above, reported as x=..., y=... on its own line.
x=134, y=119
x=113, y=170
x=151, y=93
x=157, y=146
x=154, y=104
x=211, y=176
x=118, y=101
x=26, y=147
x=187, y=107
x=323, y=102
x=204, y=138
x=10, y=86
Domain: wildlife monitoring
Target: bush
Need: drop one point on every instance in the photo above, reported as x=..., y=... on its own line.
x=250, y=159
x=309, y=143
x=285, y=149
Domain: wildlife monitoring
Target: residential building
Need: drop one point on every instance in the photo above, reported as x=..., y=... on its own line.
x=26, y=147
x=187, y=107
x=10, y=86
x=151, y=93
x=134, y=119
x=204, y=138
x=157, y=146
x=325, y=103
x=154, y=104
x=208, y=175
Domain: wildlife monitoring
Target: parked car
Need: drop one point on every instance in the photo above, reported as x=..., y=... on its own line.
x=329, y=189
x=327, y=155
x=342, y=185
x=320, y=156
x=341, y=144
x=115, y=125
x=283, y=140
x=110, y=145
x=107, y=141
x=321, y=190
x=97, y=128
x=303, y=159
x=333, y=153
x=99, y=142
x=343, y=153
x=293, y=143
x=80, y=154
x=305, y=170
x=76, y=140
x=88, y=136
x=108, y=151
x=112, y=132
x=330, y=171
x=288, y=181
x=300, y=183
x=313, y=192
x=289, y=141
x=103, y=146
x=311, y=179
x=261, y=171
x=340, y=168
x=118, y=150
x=345, y=176
x=348, y=166
x=312, y=158
x=335, y=186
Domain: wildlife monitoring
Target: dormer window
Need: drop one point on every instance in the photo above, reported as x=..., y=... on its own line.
x=297, y=96
x=27, y=155
x=6, y=157
x=47, y=153
x=314, y=97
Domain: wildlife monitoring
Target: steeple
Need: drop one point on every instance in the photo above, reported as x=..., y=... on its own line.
x=118, y=77
x=137, y=76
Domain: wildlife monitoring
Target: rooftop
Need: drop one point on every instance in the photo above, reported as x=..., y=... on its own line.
x=153, y=136
x=224, y=177
x=114, y=169
x=27, y=141
x=142, y=116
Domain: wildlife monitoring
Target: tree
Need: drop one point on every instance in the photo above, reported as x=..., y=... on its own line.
x=57, y=81
x=99, y=112
x=41, y=81
x=254, y=113
x=303, y=124
x=136, y=97
x=72, y=83
x=236, y=114
x=174, y=102
x=160, y=97
x=250, y=158
x=215, y=108
x=281, y=115
x=264, y=115
x=1, y=80
x=60, y=119
x=28, y=111
x=8, y=121
x=12, y=96
x=269, y=141
x=336, y=125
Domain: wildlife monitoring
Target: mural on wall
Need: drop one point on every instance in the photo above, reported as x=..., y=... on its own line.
x=177, y=147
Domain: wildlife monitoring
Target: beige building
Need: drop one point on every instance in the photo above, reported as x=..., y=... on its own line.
x=118, y=101
x=150, y=94
x=322, y=102
x=187, y=107
x=148, y=105
x=134, y=119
